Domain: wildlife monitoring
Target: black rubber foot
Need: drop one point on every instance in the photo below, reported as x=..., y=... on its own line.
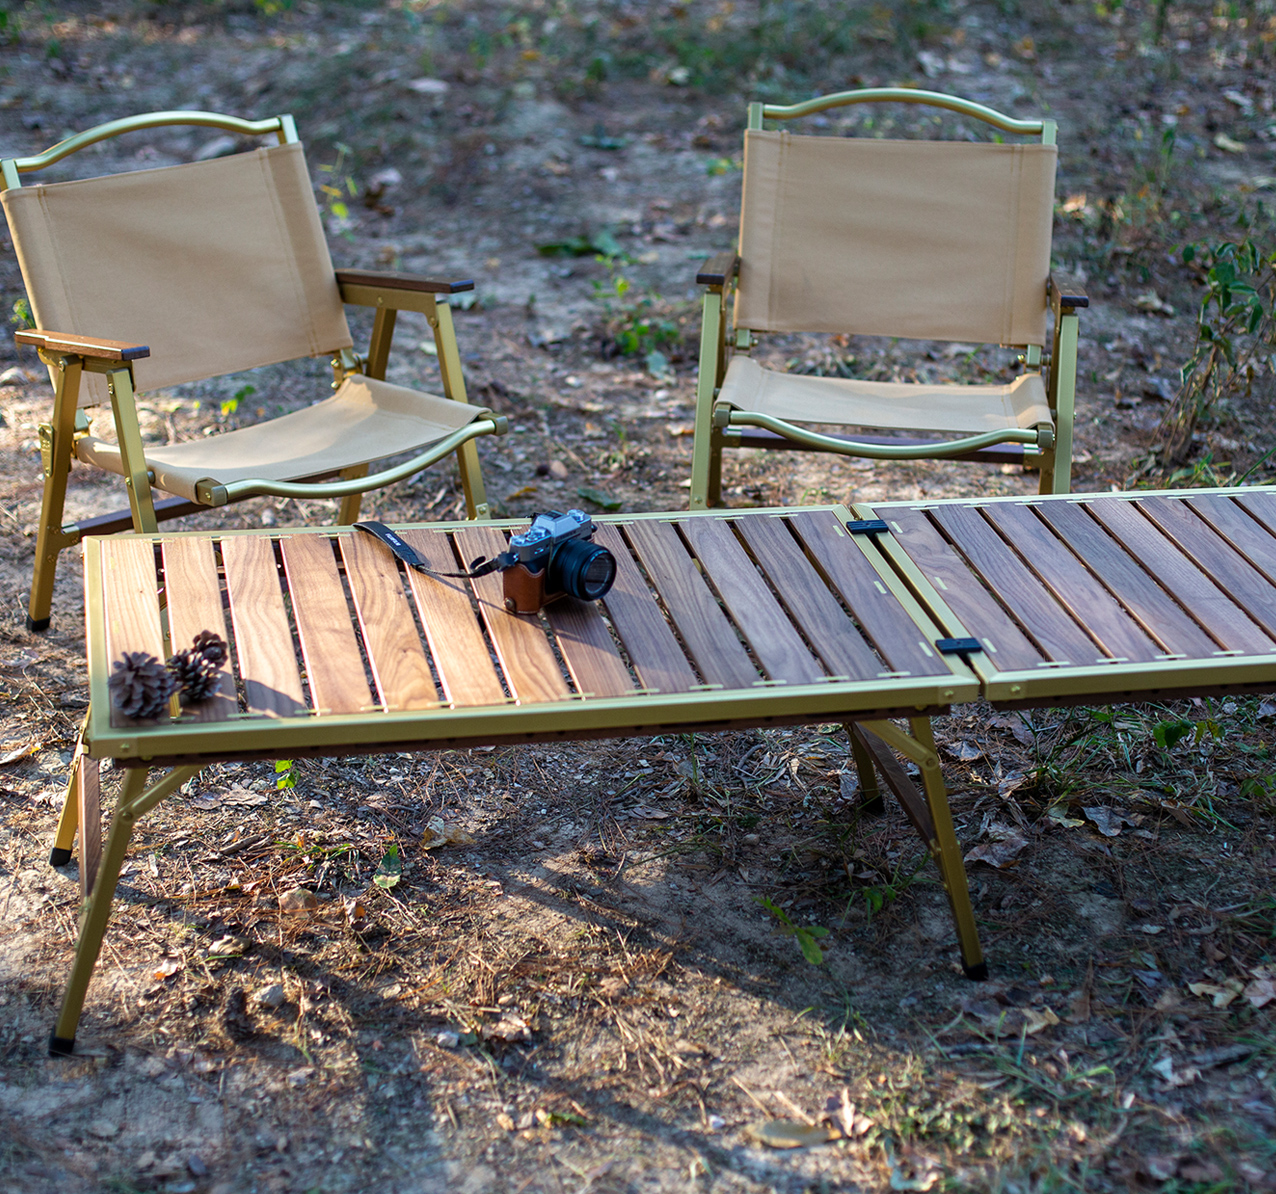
x=977, y=974
x=61, y=1046
x=37, y=625
x=59, y=857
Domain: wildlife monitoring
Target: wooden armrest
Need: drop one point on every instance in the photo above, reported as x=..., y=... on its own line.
x=388, y=280
x=719, y=269
x=1066, y=293
x=83, y=346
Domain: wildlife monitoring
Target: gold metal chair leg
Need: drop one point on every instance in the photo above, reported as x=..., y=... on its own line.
x=136, y=799
x=69, y=820
x=348, y=512
x=932, y=820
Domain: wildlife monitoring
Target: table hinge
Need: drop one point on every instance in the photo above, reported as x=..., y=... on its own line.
x=957, y=646
x=867, y=526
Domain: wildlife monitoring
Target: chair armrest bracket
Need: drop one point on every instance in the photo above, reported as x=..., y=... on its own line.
x=1066, y=294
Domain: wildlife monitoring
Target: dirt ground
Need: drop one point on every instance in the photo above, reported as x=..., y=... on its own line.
x=584, y=990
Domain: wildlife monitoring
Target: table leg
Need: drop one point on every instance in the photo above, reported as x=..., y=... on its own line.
x=934, y=823
x=69, y=821
x=136, y=799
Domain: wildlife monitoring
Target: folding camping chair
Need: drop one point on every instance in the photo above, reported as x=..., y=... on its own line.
x=153, y=278
x=929, y=240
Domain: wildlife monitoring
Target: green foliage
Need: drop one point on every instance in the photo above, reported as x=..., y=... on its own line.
x=634, y=326
x=390, y=870
x=340, y=185
x=1235, y=330
x=22, y=317
x=231, y=405
x=285, y=776
x=807, y=936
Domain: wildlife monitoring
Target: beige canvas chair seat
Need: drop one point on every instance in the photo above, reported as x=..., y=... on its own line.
x=154, y=278
x=365, y=420
x=910, y=239
x=945, y=409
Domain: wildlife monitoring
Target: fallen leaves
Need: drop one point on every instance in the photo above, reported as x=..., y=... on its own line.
x=1259, y=991
x=444, y=833
x=1005, y=846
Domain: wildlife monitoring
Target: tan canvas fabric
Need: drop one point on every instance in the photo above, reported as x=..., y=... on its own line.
x=923, y=239
x=955, y=410
x=364, y=420
x=217, y=266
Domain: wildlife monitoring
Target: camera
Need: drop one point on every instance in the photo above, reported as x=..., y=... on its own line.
x=554, y=558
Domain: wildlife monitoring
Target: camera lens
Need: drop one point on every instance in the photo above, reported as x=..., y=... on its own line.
x=585, y=570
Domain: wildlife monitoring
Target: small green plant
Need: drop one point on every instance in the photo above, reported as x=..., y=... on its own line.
x=807, y=936
x=633, y=326
x=341, y=184
x=21, y=317
x=1235, y=330
x=285, y=775
x=231, y=405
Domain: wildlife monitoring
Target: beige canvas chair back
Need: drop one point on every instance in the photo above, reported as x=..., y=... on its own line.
x=920, y=239
x=217, y=266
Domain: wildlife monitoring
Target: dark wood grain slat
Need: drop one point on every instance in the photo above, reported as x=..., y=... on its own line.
x=898, y=639
x=709, y=637
x=329, y=646
x=461, y=654
x=531, y=669
x=1252, y=538
x=1261, y=506
x=585, y=644
x=1208, y=605
x=400, y=668
x=1156, y=611
x=88, y=796
x=1218, y=559
x=825, y=623
x=766, y=627
x=130, y=597
x=194, y=594
x=1047, y=622
x=263, y=638
x=640, y=623
x=1076, y=588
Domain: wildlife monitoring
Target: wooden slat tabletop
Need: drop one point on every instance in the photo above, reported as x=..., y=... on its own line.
x=327, y=625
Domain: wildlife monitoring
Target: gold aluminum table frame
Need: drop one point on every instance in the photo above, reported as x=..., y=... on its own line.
x=716, y=620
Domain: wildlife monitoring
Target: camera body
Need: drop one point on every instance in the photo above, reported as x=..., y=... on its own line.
x=555, y=558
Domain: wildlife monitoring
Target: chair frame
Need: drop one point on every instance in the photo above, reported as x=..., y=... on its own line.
x=719, y=427
x=68, y=357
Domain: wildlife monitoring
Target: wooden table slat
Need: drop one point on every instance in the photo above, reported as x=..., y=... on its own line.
x=897, y=638
x=586, y=646
x=825, y=623
x=1075, y=587
x=1156, y=611
x=334, y=663
x=777, y=646
x=1209, y=605
x=130, y=596
x=263, y=638
x=399, y=664
x=1261, y=506
x=462, y=657
x=707, y=633
x=1220, y=561
x=193, y=590
x=1032, y=605
x=1252, y=538
x=531, y=668
x=647, y=639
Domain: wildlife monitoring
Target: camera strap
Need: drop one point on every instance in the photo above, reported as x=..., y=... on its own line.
x=405, y=552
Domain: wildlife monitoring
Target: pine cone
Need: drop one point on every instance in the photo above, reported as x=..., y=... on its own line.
x=140, y=685
x=195, y=673
x=212, y=646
